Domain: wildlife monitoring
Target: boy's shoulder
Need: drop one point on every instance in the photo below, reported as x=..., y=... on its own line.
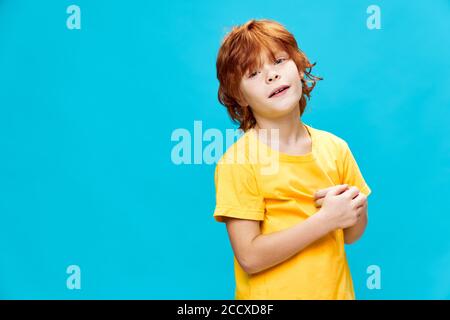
x=330, y=144
x=324, y=137
x=238, y=150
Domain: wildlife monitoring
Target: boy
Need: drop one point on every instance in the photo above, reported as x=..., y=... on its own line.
x=287, y=226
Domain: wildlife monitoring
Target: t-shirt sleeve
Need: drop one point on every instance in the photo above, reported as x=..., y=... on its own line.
x=237, y=192
x=350, y=172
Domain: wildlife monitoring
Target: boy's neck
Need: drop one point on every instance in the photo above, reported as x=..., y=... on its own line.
x=291, y=128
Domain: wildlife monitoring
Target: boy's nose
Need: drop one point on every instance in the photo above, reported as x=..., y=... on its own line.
x=272, y=77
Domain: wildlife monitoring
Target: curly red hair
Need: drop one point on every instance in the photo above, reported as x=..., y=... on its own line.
x=240, y=51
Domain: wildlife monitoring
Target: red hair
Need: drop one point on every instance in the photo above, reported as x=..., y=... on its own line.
x=240, y=51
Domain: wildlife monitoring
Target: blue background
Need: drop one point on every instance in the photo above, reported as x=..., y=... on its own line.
x=86, y=118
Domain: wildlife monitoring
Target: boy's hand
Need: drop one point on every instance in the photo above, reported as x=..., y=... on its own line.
x=319, y=195
x=342, y=207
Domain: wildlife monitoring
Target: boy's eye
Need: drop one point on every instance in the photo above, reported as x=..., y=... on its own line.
x=277, y=61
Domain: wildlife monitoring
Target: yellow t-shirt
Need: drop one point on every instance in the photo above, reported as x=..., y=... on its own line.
x=254, y=181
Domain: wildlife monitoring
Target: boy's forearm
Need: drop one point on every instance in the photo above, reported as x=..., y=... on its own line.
x=271, y=249
x=352, y=234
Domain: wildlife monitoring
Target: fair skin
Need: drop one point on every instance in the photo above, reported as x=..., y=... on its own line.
x=280, y=113
x=353, y=233
x=340, y=207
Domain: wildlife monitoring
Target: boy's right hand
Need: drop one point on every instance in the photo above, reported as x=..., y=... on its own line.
x=340, y=207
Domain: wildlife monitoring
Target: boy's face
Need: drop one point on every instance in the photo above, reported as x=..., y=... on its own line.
x=257, y=85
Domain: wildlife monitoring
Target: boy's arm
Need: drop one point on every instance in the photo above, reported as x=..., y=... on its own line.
x=256, y=252
x=352, y=234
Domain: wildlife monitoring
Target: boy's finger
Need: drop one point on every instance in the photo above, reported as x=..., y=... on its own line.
x=352, y=192
x=323, y=192
x=338, y=189
x=359, y=200
x=319, y=202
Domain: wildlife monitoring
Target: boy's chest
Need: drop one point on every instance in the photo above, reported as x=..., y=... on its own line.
x=299, y=179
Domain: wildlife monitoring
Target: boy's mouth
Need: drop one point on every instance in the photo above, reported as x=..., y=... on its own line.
x=278, y=91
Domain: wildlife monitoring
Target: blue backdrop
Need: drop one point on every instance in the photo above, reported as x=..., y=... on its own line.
x=86, y=120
